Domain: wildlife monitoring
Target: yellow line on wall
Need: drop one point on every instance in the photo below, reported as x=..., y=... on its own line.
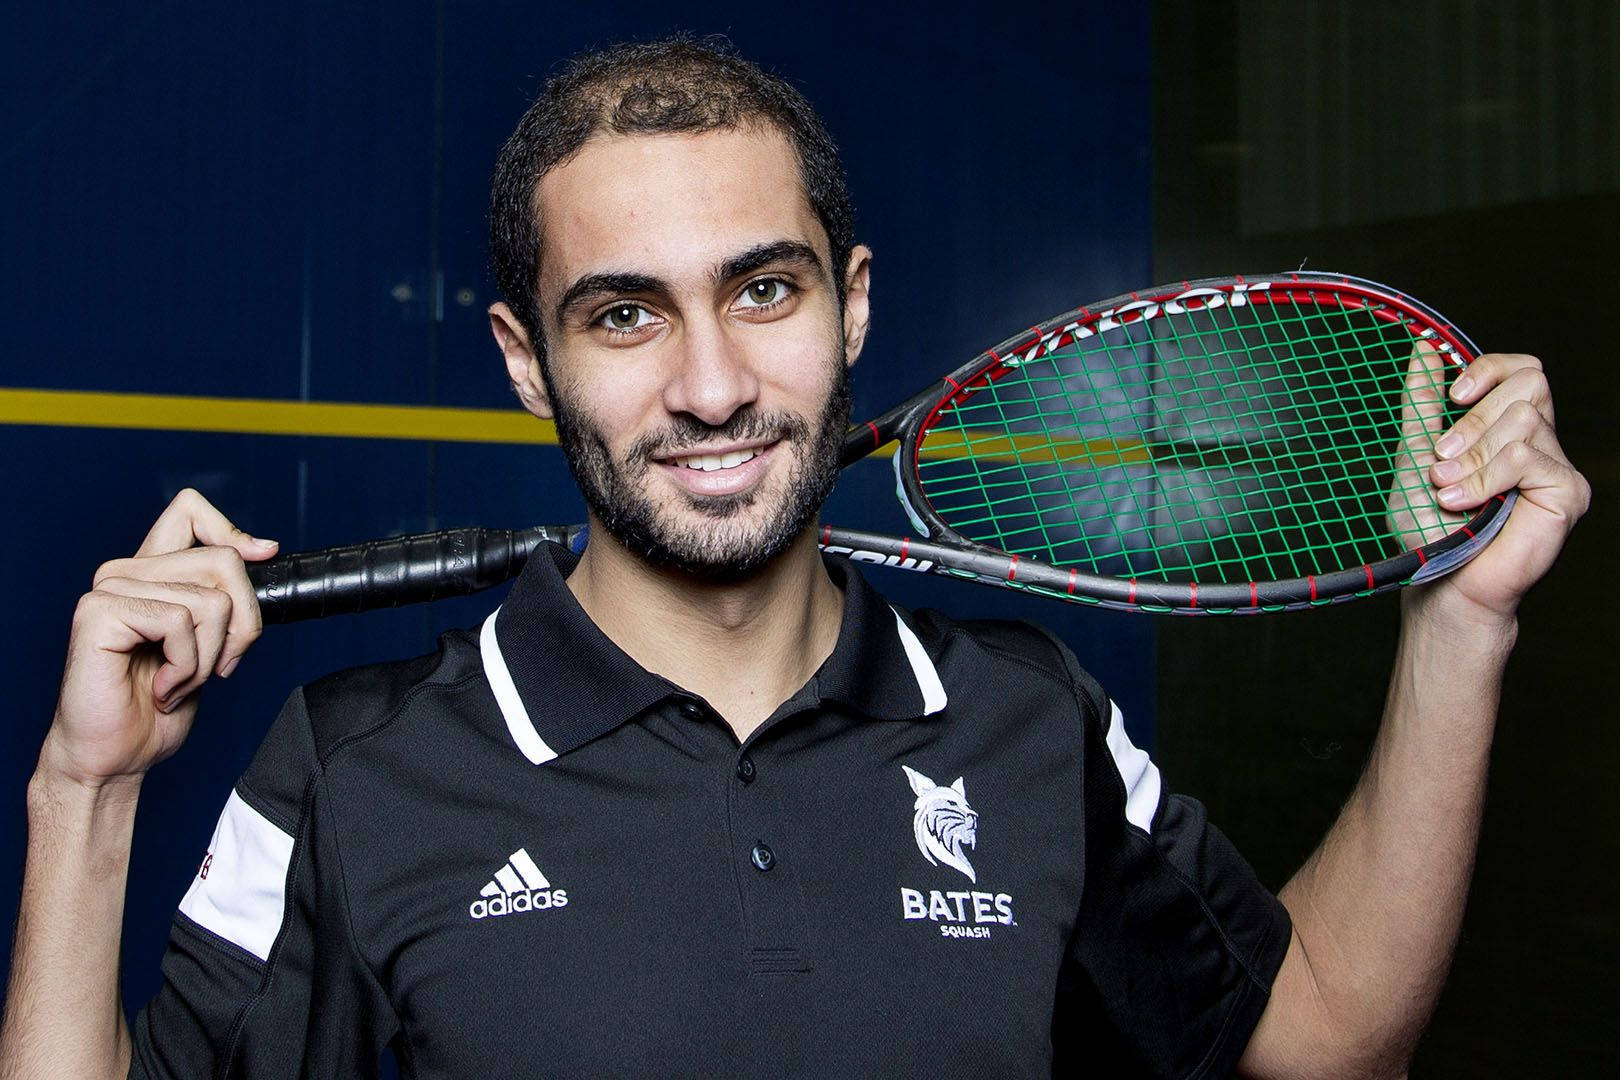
x=272, y=416
x=260, y=416
x=269, y=416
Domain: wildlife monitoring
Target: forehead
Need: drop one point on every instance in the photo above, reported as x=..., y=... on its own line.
x=671, y=205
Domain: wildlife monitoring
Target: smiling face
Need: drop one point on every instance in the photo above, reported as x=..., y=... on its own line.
x=696, y=354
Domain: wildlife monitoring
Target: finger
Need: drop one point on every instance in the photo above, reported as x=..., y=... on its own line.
x=1411, y=513
x=210, y=613
x=1423, y=402
x=120, y=623
x=1551, y=483
x=217, y=567
x=1487, y=372
x=1518, y=422
x=1527, y=384
x=190, y=519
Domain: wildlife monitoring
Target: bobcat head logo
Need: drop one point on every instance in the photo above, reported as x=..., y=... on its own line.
x=944, y=822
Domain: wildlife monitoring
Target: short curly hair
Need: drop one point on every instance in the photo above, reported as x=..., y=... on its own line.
x=675, y=84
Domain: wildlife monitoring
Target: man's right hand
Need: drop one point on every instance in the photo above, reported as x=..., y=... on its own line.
x=150, y=632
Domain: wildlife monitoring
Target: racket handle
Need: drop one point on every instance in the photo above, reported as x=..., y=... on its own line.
x=400, y=570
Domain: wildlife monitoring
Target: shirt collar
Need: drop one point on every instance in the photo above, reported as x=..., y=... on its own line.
x=560, y=682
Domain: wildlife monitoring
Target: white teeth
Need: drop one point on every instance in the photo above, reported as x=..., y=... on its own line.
x=711, y=462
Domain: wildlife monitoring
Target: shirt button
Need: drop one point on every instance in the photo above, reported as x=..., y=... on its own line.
x=745, y=771
x=692, y=710
x=764, y=857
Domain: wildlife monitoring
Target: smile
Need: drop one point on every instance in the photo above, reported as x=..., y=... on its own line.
x=711, y=462
x=721, y=470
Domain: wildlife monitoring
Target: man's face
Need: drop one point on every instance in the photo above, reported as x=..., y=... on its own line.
x=696, y=351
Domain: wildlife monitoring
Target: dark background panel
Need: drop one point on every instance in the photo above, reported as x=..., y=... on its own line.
x=289, y=203
x=1482, y=178
x=145, y=218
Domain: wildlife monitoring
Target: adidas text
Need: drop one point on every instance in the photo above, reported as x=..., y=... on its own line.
x=509, y=904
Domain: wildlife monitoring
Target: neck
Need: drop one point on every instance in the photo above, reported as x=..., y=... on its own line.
x=744, y=646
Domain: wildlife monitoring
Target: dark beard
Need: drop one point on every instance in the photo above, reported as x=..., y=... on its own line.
x=718, y=555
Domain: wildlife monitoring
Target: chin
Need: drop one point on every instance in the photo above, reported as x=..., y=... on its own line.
x=721, y=540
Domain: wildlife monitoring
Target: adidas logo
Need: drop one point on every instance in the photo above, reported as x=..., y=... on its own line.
x=518, y=886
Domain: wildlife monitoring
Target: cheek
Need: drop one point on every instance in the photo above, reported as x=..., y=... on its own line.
x=613, y=408
x=802, y=371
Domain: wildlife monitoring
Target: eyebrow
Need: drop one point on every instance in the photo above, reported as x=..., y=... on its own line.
x=592, y=286
x=794, y=252
x=775, y=252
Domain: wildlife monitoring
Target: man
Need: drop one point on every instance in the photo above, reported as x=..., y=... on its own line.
x=697, y=803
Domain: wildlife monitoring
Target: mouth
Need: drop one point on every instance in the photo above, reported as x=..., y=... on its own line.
x=718, y=470
x=710, y=462
x=714, y=458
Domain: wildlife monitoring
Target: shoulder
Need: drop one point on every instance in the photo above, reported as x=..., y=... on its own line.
x=346, y=709
x=350, y=705
x=976, y=648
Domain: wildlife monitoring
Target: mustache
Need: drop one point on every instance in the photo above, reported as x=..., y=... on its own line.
x=744, y=424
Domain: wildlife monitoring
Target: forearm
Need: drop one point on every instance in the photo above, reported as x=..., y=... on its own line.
x=63, y=1014
x=1378, y=906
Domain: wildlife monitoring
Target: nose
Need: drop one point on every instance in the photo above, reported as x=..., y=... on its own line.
x=713, y=375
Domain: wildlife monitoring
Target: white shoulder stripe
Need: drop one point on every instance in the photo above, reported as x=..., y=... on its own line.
x=933, y=691
x=240, y=891
x=1141, y=776
x=506, y=696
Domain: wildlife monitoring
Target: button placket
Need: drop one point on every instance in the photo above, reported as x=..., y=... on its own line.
x=772, y=896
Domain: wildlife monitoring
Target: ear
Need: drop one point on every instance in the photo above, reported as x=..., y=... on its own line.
x=857, y=301
x=960, y=790
x=920, y=784
x=522, y=366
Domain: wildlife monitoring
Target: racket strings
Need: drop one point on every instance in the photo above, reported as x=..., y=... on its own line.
x=1233, y=443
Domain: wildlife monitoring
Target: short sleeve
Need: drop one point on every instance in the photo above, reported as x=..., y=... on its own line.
x=1176, y=942
x=260, y=977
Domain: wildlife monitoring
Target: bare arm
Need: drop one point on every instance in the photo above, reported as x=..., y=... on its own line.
x=1377, y=907
x=150, y=632
x=63, y=1011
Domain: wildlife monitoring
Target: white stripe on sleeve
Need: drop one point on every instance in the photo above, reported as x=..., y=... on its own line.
x=1141, y=776
x=240, y=891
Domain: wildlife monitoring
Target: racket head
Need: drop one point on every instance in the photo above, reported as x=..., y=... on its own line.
x=1228, y=445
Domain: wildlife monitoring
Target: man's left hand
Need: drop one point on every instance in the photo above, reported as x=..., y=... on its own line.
x=1507, y=439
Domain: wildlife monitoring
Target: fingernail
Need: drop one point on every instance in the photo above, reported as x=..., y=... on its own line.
x=266, y=543
x=1449, y=444
x=1462, y=387
x=1451, y=496
x=230, y=666
x=1448, y=471
x=167, y=704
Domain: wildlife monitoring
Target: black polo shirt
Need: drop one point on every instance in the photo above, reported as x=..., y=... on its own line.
x=525, y=855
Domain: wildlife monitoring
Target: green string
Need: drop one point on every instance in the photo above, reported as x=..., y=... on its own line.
x=1226, y=444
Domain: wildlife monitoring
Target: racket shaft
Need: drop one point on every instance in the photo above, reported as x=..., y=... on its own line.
x=457, y=562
